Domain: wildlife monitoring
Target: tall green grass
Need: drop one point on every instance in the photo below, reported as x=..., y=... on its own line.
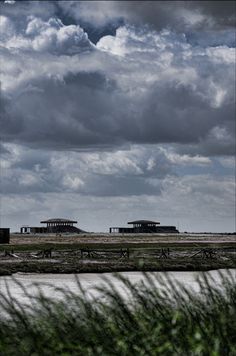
x=170, y=320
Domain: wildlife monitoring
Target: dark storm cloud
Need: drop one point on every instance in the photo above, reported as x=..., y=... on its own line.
x=177, y=15
x=203, y=22
x=158, y=13
x=131, y=172
x=218, y=142
x=180, y=115
x=9, y=124
x=161, y=14
x=3, y=150
x=223, y=12
x=223, y=37
x=139, y=86
x=74, y=112
x=89, y=110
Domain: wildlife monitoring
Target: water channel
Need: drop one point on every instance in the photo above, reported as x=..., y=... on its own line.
x=90, y=281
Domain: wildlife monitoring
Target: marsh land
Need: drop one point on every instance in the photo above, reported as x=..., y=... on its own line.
x=68, y=253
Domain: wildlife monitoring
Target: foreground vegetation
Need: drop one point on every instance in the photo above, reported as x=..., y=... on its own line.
x=169, y=320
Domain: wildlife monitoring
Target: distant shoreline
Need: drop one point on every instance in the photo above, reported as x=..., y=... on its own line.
x=109, y=269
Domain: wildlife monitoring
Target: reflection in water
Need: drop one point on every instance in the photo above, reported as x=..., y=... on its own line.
x=89, y=282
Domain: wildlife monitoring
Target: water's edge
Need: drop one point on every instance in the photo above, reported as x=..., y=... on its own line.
x=90, y=281
x=55, y=267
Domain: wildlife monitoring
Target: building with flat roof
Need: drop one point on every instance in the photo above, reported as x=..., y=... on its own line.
x=52, y=226
x=144, y=226
x=60, y=225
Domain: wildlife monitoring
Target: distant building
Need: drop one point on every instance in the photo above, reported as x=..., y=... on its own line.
x=53, y=226
x=144, y=226
x=4, y=235
x=33, y=230
x=61, y=225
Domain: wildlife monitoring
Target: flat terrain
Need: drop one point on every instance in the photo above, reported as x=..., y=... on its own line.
x=67, y=253
x=123, y=239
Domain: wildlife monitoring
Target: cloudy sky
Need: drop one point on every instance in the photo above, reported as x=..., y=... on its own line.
x=115, y=111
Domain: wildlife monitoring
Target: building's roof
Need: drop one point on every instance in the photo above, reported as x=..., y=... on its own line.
x=144, y=222
x=33, y=227
x=58, y=221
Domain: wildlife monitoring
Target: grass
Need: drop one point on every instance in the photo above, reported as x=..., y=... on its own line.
x=116, y=245
x=169, y=320
x=142, y=257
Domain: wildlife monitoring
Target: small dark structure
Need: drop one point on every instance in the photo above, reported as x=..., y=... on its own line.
x=33, y=230
x=4, y=235
x=144, y=226
x=53, y=226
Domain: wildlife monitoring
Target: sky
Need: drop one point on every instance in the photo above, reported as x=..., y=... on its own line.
x=114, y=111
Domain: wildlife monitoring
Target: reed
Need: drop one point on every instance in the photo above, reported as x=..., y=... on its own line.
x=150, y=320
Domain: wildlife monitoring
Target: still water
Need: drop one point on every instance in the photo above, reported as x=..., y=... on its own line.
x=90, y=281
